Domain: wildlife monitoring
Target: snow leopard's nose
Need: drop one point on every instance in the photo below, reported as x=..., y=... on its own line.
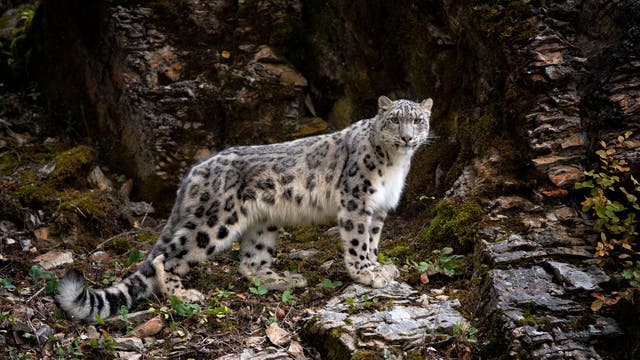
x=406, y=138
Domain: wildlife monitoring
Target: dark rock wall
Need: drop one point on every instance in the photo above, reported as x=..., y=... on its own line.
x=161, y=84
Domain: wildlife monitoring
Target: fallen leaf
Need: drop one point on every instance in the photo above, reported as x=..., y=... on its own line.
x=296, y=350
x=424, y=278
x=41, y=233
x=149, y=328
x=277, y=335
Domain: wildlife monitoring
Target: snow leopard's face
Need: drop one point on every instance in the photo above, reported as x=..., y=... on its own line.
x=403, y=124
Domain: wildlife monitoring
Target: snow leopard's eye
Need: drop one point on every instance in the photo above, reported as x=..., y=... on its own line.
x=417, y=121
x=394, y=119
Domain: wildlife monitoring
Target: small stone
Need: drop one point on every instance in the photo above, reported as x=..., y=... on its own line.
x=575, y=140
x=92, y=333
x=286, y=74
x=100, y=257
x=129, y=355
x=53, y=259
x=555, y=193
x=125, y=189
x=266, y=55
x=253, y=341
x=505, y=203
x=140, y=208
x=564, y=175
x=98, y=180
x=326, y=265
x=277, y=335
x=46, y=170
x=26, y=244
x=130, y=343
x=563, y=213
x=543, y=163
x=43, y=333
x=303, y=254
x=7, y=226
x=149, y=328
x=334, y=230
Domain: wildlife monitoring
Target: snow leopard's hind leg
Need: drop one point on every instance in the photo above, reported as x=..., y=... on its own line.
x=257, y=250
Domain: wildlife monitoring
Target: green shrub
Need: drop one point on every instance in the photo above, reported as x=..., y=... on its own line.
x=613, y=204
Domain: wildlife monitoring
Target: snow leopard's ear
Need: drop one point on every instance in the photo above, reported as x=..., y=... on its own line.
x=426, y=104
x=384, y=103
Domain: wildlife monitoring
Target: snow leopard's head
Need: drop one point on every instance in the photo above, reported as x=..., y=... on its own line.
x=403, y=124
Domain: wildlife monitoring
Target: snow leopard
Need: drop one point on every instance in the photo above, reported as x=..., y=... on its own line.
x=246, y=193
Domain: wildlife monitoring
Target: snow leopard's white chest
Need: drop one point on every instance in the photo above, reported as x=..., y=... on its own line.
x=389, y=186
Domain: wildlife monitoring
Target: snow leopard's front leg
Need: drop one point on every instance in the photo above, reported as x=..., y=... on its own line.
x=363, y=268
x=377, y=222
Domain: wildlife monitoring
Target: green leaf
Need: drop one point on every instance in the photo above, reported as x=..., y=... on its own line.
x=288, y=297
x=218, y=311
x=6, y=283
x=584, y=184
x=597, y=305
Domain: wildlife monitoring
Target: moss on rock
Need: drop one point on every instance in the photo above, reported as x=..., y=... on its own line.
x=69, y=162
x=453, y=224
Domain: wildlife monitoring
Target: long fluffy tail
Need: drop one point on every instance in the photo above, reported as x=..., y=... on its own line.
x=81, y=303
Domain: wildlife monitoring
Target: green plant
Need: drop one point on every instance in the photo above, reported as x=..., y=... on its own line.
x=217, y=311
x=327, y=283
x=259, y=289
x=441, y=262
x=109, y=343
x=6, y=284
x=13, y=355
x=388, y=355
x=223, y=294
x=135, y=256
x=357, y=304
x=214, y=308
x=124, y=316
x=182, y=308
x=465, y=333
x=613, y=203
x=177, y=307
x=51, y=280
x=109, y=277
x=288, y=297
x=633, y=275
x=71, y=351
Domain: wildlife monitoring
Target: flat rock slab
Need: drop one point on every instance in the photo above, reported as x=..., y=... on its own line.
x=573, y=278
x=397, y=318
x=512, y=288
x=536, y=313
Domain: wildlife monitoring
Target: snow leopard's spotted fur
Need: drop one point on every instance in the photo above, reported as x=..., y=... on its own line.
x=244, y=193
